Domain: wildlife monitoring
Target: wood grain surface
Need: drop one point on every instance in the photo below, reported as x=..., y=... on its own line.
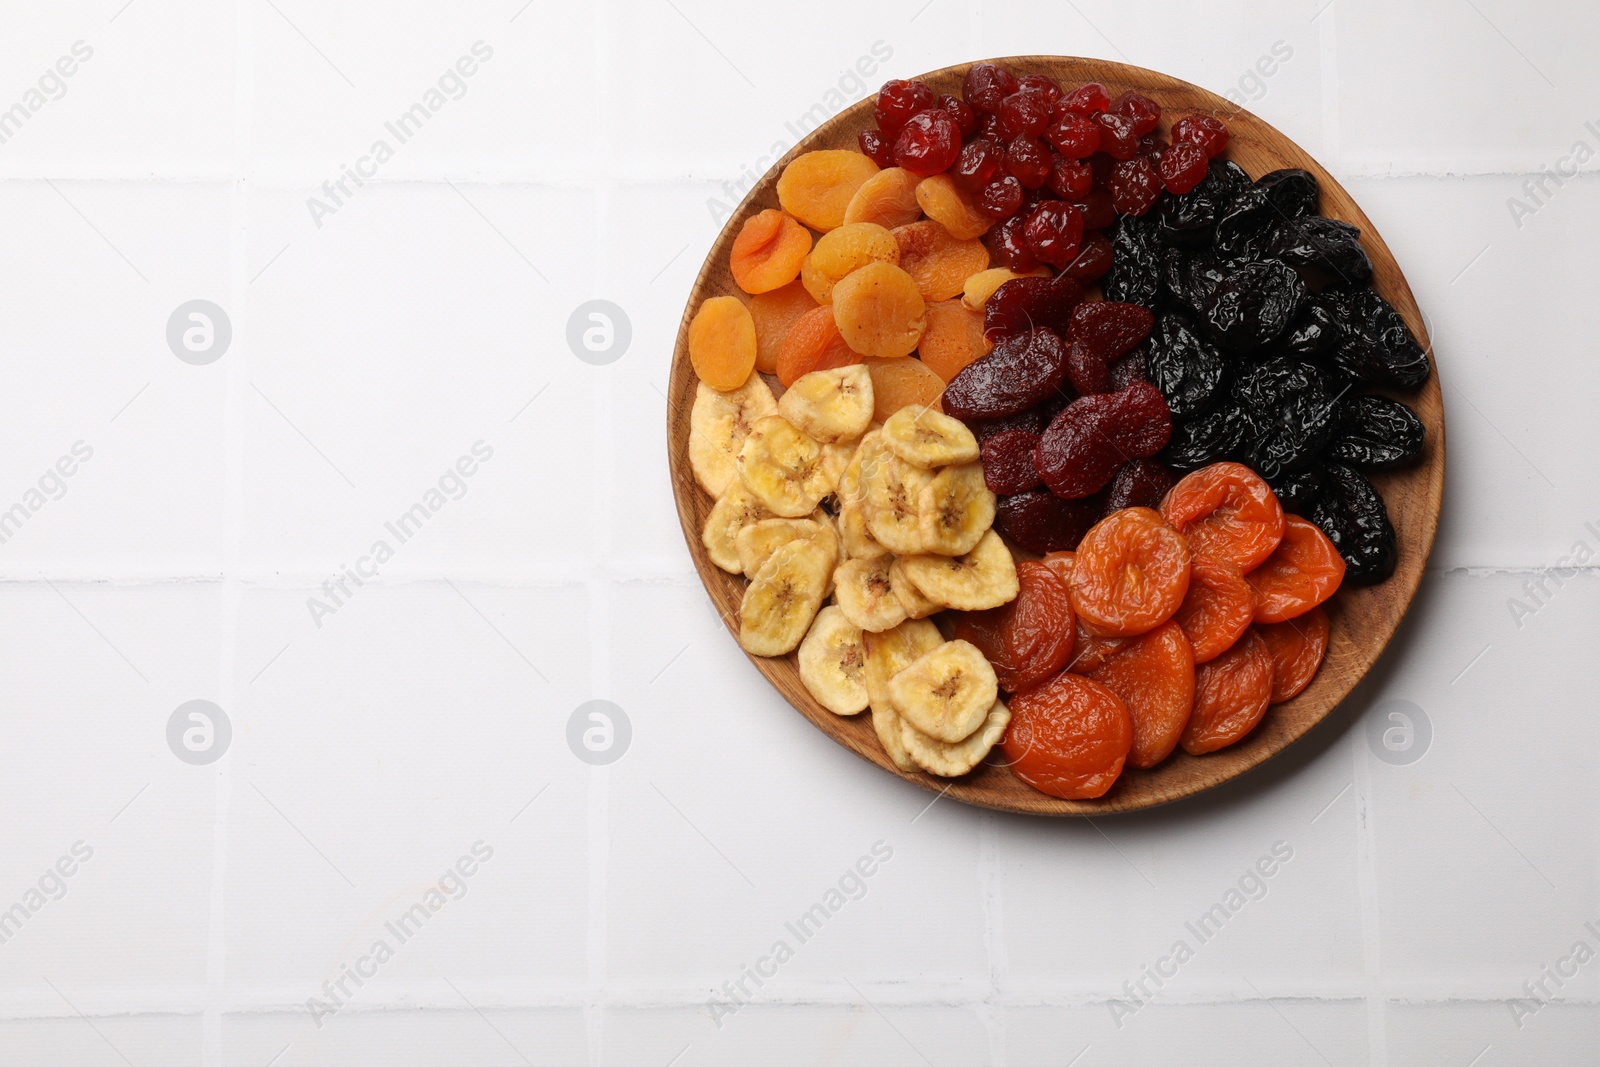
x=1363, y=619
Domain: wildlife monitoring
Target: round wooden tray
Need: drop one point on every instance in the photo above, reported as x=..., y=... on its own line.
x=1363, y=619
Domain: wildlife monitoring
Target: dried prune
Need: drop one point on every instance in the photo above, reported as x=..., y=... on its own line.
x=1375, y=431
x=1221, y=433
x=1316, y=331
x=1093, y=436
x=1352, y=514
x=1191, y=219
x=1246, y=228
x=1033, y=421
x=1101, y=331
x=1135, y=276
x=1024, y=304
x=1291, y=413
x=1008, y=462
x=1375, y=345
x=1327, y=249
x=1187, y=368
x=1291, y=191
x=1139, y=483
x=1022, y=370
x=1191, y=278
x=1039, y=521
x=1253, y=305
x=1298, y=492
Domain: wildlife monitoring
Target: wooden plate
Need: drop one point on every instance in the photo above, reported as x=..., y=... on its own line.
x=1363, y=619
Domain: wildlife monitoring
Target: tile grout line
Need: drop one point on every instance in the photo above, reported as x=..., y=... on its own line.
x=1367, y=892
x=990, y=885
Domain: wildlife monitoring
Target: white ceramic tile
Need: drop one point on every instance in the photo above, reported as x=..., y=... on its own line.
x=470, y=1030
x=1561, y=1035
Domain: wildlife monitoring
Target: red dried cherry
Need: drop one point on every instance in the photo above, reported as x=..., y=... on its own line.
x=1028, y=161
x=928, y=143
x=1098, y=212
x=1206, y=133
x=986, y=85
x=976, y=165
x=1087, y=100
x=1183, y=167
x=1008, y=246
x=1041, y=83
x=1054, y=231
x=966, y=118
x=1070, y=179
x=897, y=101
x=1145, y=112
x=1118, y=139
x=1073, y=135
x=1135, y=186
x=1001, y=197
x=876, y=146
x=1025, y=114
x=989, y=126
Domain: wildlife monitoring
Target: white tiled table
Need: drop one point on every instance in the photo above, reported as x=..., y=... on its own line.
x=372, y=752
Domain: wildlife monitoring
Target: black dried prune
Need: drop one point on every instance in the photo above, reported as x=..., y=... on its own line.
x=1140, y=483
x=1328, y=250
x=1352, y=514
x=1253, y=305
x=1221, y=433
x=1135, y=275
x=1191, y=219
x=1298, y=492
x=1375, y=346
x=1039, y=521
x=1291, y=191
x=1247, y=228
x=1375, y=431
x=1191, y=277
x=1316, y=332
x=1022, y=370
x=1291, y=414
x=1187, y=368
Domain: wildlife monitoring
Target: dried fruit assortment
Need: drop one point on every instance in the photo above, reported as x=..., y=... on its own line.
x=1032, y=319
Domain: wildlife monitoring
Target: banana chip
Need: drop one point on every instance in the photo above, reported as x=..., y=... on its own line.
x=866, y=595
x=986, y=577
x=889, y=653
x=833, y=663
x=911, y=599
x=718, y=424
x=733, y=511
x=783, y=598
x=783, y=468
x=952, y=761
x=756, y=542
x=946, y=692
x=890, y=488
x=954, y=510
x=927, y=438
x=830, y=405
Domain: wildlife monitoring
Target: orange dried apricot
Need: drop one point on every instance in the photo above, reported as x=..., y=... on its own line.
x=940, y=263
x=774, y=313
x=888, y=198
x=900, y=383
x=1061, y=563
x=722, y=343
x=812, y=343
x=816, y=187
x=768, y=252
x=1093, y=650
x=1217, y=609
x=1231, y=694
x=1068, y=737
x=841, y=251
x=1297, y=647
x=1131, y=573
x=1303, y=571
x=879, y=311
x=1153, y=676
x=953, y=340
x=1029, y=639
x=1227, y=512
x=948, y=205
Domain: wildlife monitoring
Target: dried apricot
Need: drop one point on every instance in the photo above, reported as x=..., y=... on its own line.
x=953, y=340
x=1303, y=571
x=1226, y=511
x=768, y=252
x=1093, y=650
x=1153, y=676
x=879, y=311
x=1061, y=563
x=841, y=251
x=812, y=343
x=1297, y=647
x=774, y=313
x=1231, y=694
x=946, y=204
x=1068, y=737
x=899, y=383
x=1131, y=573
x=816, y=187
x=1217, y=609
x=888, y=198
x=939, y=262
x=722, y=343
x=1029, y=639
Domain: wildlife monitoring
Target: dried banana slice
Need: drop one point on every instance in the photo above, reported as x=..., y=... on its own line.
x=830, y=405
x=890, y=489
x=954, y=510
x=833, y=663
x=783, y=598
x=927, y=438
x=946, y=692
x=835, y=458
x=986, y=577
x=855, y=539
x=915, y=604
x=952, y=761
x=733, y=511
x=756, y=542
x=718, y=424
x=866, y=595
x=889, y=653
x=783, y=468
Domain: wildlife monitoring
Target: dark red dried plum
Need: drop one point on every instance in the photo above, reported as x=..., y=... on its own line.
x=1298, y=492
x=1352, y=514
x=1292, y=415
x=1018, y=373
x=1190, y=219
x=1253, y=305
x=1140, y=483
x=1133, y=367
x=1135, y=276
x=1024, y=304
x=1188, y=369
x=1008, y=462
x=1094, y=435
x=1375, y=431
x=1375, y=347
x=1221, y=433
x=1328, y=250
x=1033, y=421
x=1101, y=331
x=1040, y=522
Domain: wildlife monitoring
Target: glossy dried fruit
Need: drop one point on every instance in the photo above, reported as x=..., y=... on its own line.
x=1029, y=639
x=1291, y=413
x=1039, y=521
x=842, y=251
x=1092, y=261
x=1375, y=345
x=1024, y=304
x=1022, y=370
x=1008, y=462
x=1153, y=676
x=1118, y=138
x=1033, y=421
x=1353, y=516
x=953, y=340
x=1068, y=737
x=1093, y=436
x=1135, y=186
x=876, y=146
x=888, y=198
x=1253, y=305
x=1297, y=648
x=1327, y=249
x=813, y=342
x=1209, y=134
x=1191, y=218
x=1218, y=608
x=937, y=261
x=1008, y=247
x=722, y=343
x=1054, y=232
x=1136, y=262
x=1131, y=573
x=1139, y=483
x=1070, y=179
x=1246, y=228
x=774, y=312
x=1183, y=166
x=1131, y=368
x=768, y=251
x=816, y=187
x=986, y=85
x=1027, y=160
x=1025, y=113
x=1227, y=512
x=1298, y=492
x=1145, y=112
x=928, y=143
x=966, y=119
x=1210, y=437
x=1375, y=432
x=1302, y=572
x=1074, y=136
x=1231, y=694
x=951, y=207
x=899, y=383
x=1001, y=198
x=1101, y=331
x=1187, y=368
x=1088, y=99
x=898, y=100
x=879, y=311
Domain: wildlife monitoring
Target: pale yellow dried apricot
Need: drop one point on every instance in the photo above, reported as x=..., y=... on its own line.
x=850, y=247
x=816, y=187
x=879, y=311
x=939, y=263
x=888, y=198
x=899, y=383
x=948, y=205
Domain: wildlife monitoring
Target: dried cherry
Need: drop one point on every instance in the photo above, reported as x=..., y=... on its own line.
x=1054, y=232
x=986, y=85
x=898, y=100
x=928, y=143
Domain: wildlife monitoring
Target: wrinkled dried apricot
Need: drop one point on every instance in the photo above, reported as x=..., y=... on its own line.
x=841, y=251
x=1153, y=676
x=939, y=262
x=1068, y=737
x=888, y=198
x=768, y=251
x=722, y=343
x=1231, y=694
x=899, y=383
x=953, y=340
x=1061, y=563
x=1029, y=639
x=812, y=343
x=1297, y=647
x=1217, y=609
x=1226, y=511
x=945, y=203
x=1092, y=650
x=879, y=311
x=1131, y=573
x=816, y=187
x=774, y=313
x=1303, y=571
